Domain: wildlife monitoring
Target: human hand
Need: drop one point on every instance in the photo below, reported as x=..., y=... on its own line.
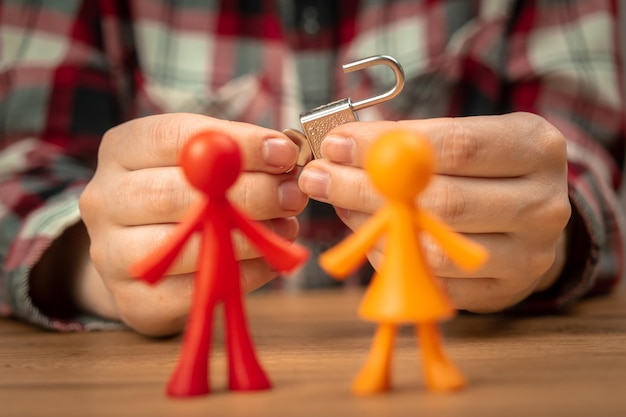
x=138, y=193
x=501, y=180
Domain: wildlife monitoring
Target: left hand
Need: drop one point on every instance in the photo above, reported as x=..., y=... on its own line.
x=501, y=181
x=137, y=197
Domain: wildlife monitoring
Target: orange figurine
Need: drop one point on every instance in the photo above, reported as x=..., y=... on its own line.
x=403, y=291
x=212, y=162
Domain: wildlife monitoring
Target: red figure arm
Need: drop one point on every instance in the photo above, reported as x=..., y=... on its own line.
x=280, y=253
x=464, y=252
x=152, y=267
x=344, y=258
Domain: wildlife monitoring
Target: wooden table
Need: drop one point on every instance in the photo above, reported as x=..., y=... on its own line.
x=312, y=345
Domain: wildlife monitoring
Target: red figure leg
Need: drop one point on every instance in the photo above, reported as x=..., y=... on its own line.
x=244, y=370
x=191, y=375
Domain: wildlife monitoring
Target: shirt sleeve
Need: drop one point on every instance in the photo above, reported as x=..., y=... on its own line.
x=52, y=81
x=565, y=65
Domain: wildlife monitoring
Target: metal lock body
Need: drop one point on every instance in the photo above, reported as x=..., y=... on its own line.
x=316, y=123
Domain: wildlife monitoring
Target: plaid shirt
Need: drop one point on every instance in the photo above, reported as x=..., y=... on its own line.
x=71, y=69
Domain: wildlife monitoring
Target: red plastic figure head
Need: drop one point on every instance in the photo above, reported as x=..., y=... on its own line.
x=211, y=162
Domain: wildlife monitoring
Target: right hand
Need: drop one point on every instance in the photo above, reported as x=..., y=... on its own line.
x=137, y=195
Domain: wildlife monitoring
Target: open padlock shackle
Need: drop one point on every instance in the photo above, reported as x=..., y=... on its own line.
x=371, y=62
x=316, y=123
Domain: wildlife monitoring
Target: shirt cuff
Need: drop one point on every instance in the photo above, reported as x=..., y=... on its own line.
x=38, y=232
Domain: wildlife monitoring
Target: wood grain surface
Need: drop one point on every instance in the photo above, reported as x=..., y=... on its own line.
x=312, y=344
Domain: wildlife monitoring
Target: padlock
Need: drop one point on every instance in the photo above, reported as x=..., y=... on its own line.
x=318, y=122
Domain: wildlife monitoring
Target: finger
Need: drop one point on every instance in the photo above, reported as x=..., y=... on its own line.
x=463, y=213
x=486, y=295
x=165, y=305
x=162, y=195
x=487, y=146
x=499, y=259
x=479, y=295
x=510, y=259
x=504, y=205
x=501, y=282
x=163, y=308
x=155, y=141
x=262, y=196
x=135, y=243
x=496, y=285
x=340, y=185
x=288, y=228
x=149, y=196
x=122, y=247
x=255, y=273
x=470, y=205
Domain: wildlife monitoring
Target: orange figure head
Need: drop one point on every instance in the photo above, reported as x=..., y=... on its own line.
x=400, y=164
x=211, y=162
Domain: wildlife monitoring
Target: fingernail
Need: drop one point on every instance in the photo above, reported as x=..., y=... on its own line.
x=343, y=213
x=338, y=149
x=290, y=197
x=280, y=153
x=314, y=182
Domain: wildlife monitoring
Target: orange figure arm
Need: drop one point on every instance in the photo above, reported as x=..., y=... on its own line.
x=345, y=257
x=464, y=252
x=280, y=253
x=152, y=267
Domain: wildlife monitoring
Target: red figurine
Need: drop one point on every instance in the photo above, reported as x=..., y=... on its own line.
x=403, y=291
x=212, y=161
